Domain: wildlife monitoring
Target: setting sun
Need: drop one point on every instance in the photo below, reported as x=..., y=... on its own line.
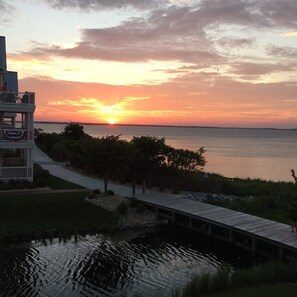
x=111, y=121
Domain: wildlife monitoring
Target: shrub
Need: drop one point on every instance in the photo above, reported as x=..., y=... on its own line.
x=41, y=182
x=110, y=192
x=134, y=202
x=20, y=186
x=122, y=208
x=12, y=182
x=6, y=186
x=97, y=192
x=91, y=196
x=40, y=172
x=31, y=186
x=140, y=209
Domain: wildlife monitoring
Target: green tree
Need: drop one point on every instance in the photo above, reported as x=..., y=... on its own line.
x=294, y=175
x=186, y=160
x=149, y=156
x=59, y=152
x=74, y=131
x=111, y=155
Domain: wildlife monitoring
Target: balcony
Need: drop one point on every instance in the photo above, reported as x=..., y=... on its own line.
x=12, y=98
x=7, y=173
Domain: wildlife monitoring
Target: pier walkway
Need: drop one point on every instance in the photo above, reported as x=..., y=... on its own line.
x=244, y=230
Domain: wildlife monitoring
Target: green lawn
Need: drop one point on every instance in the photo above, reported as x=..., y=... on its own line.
x=45, y=213
x=277, y=290
x=56, y=183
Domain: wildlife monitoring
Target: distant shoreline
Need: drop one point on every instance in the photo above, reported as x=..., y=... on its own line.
x=169, y=126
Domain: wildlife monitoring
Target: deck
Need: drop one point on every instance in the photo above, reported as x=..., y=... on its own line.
x=224, y=222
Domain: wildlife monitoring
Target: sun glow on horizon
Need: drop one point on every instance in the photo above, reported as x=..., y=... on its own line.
x=111, y=121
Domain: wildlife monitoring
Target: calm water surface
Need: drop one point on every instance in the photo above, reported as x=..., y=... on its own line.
x=256, y=153
x=149, y=265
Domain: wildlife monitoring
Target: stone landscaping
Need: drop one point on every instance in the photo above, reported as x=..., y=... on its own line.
x=132, y=218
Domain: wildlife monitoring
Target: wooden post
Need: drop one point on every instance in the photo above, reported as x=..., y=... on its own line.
x=190, y=224
x=209, y=230
x=280, y=253
x=253, y=245
x=173, y=218
x=230, y=239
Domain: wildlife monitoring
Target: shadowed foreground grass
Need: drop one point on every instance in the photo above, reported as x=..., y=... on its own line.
x=36, y=214
x=276, y=290
x=260, y=280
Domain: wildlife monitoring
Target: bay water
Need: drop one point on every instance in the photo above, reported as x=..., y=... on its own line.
x=267, y=154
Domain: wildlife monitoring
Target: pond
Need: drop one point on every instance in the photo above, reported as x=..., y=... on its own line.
x=130, y=263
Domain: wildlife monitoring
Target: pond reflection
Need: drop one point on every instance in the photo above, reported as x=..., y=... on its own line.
x=151, y=264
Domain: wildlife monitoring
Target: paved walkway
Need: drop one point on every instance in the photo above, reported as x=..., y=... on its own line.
x=58, y=169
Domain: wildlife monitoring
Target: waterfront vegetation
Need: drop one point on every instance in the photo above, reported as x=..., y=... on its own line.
x=151, y=162
x=271, y=290
x=259, y=280
x=51, y=214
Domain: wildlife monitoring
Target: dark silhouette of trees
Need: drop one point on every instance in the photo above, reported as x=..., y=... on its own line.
x=105, y=156
x=149, y=156
x=294, y=175
x=74, y=131
x=144, y=159
x=186, y=160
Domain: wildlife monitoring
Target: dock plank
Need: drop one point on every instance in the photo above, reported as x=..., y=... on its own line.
x=249, y=224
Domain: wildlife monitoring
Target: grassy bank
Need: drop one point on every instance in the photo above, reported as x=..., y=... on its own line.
x=44, y=214
x=53, y=182
x=259, y=280
x=275, y=290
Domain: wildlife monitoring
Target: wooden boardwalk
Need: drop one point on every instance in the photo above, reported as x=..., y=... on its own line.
x=255, y=228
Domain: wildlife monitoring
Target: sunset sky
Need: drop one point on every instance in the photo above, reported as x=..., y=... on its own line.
x=178, y=62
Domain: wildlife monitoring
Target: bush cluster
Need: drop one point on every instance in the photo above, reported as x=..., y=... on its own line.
x=224, y=278
x=15, y=184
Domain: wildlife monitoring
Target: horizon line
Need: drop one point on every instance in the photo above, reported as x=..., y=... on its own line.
x=160, y=125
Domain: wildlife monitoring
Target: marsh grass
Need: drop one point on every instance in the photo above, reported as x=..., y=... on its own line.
x=270, y=290
x=224, y=279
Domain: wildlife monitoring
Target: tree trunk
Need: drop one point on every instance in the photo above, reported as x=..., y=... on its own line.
x=143, y=186
x=133, y=185
x=105, y=185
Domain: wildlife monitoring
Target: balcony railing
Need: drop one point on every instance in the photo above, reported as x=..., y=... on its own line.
x=7, y=173
x=17, y=98
x=16, y=135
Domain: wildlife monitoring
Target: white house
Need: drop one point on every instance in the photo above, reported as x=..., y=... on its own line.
x=16, y=125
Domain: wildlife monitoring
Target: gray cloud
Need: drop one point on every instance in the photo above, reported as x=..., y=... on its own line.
x=235, y=42
x=127, y=54
x=174, y=32
x=279, y=12
x=283, y=52
x=6, y=11
x=88, y=5
x=254, y=69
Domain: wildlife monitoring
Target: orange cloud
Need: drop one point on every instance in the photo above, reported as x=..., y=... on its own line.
x=188, y=100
